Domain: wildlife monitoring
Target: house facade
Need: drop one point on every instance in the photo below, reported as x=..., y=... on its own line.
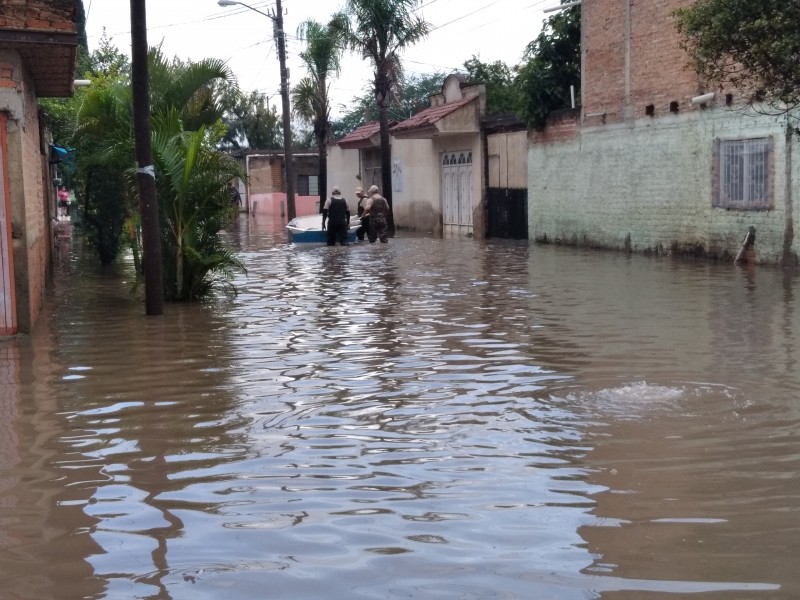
x=655, y=160
x=438, y=163
x=38, y=46
x=265, y=190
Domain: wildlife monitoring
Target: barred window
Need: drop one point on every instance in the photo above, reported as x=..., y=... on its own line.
x=743, y=174
x=308, y=185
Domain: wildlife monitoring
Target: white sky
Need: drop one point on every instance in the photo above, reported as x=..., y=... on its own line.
x=196, y=29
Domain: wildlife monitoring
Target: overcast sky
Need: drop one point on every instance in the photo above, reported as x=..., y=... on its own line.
x=195, y=29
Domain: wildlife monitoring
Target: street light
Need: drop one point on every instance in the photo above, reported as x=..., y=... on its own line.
x=280, y=40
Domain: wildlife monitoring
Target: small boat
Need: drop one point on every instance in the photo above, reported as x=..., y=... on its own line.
x=308, y=230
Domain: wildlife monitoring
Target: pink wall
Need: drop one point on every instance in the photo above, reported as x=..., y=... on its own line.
x=271, y=203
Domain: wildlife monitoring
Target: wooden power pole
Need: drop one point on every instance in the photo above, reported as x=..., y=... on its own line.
x=280, y=40
x=148, y=203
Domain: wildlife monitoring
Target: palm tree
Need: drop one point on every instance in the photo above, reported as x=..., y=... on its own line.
x=380, y=30
x=192, y=185
x=191, y=177
x=310, y=95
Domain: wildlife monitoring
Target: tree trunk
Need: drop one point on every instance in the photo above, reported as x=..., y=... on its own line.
x=386, y=163
x=323, y=174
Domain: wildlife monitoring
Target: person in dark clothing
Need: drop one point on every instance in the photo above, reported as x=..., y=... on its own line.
x=337, y=214
x=236, y=198
x=377, y=209
x=362, y=201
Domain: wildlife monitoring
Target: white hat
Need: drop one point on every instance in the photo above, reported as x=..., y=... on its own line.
x=373, y=189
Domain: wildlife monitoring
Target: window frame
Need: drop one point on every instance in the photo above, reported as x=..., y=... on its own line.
x=725, y=155
x=304, y=181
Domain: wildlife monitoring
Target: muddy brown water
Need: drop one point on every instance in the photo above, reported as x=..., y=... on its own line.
x=424, y=419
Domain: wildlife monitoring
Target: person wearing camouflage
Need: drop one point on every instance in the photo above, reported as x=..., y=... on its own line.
x=377, y=210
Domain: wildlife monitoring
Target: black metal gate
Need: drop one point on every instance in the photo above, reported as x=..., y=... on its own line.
x=508, y=214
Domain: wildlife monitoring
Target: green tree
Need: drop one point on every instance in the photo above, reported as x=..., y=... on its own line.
x=380, y=30
x=311, y=95
x=551, y=64
x=192, y=186
x=249, y=119
x=185, y=118
x=413, y=94
x=753, y=46
x=499, y=81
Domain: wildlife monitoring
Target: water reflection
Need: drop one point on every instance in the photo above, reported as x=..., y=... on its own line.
x=427, y=418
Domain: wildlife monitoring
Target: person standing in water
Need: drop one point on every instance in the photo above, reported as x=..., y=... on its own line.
x=377, y=211
x=337, y=214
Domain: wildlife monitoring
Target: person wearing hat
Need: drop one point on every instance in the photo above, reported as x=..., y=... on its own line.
x=364, y=227
x=377, y=210
x=337, y=213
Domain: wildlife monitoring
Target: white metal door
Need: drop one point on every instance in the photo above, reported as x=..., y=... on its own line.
x=457, y=192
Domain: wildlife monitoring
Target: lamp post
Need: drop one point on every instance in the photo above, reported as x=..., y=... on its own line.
x=280, y=40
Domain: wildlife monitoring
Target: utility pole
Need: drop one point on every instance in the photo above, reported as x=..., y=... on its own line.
x=148, y=203
x=280, y=41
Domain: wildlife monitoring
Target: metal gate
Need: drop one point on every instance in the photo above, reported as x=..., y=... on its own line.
x=457, y=193
x=508, y=213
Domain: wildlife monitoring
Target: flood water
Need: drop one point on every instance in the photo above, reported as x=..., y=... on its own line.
x=424, y=419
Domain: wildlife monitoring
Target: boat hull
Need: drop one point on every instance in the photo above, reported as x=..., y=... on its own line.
x=308, y=230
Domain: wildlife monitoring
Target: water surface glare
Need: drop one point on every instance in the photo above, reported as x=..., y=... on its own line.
x=424, y=419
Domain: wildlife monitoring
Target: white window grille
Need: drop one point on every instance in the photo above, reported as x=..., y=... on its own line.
x=743, y=174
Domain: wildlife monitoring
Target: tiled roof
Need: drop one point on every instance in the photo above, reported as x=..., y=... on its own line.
x=430, y=116
x=359, y=138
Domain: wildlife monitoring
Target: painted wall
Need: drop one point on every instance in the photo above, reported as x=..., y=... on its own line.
x=647, y=185
x=343, y=171
x=27, y=160
x=416, y=187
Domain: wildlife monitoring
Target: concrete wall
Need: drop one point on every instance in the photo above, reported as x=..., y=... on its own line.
x=416, y=179
x=27, y=160
x=343, y=171
x=416, y=195
x=647, y=185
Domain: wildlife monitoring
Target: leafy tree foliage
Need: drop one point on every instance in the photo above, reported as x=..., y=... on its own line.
x=752, y=45
x=249, y=119
x=410, y=96
x=191, y=176
x=551, y=64
x=498, y=79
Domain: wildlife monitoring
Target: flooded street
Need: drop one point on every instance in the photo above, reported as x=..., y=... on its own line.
x=424, y=419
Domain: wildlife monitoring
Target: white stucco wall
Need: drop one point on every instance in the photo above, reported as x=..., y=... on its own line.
x=648, y=186
x=343, y=171
x=415, y=194
x=417, y=189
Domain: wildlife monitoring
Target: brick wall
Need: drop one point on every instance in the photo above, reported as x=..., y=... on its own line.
x=624, y=76
x=38, y=15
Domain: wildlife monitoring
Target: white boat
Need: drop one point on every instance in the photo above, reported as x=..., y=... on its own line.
x=308, y=229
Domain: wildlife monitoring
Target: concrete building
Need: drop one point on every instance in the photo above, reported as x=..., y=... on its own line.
x=655, y=160
x=265, y=192
x=38, y=45
x=438, y=163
